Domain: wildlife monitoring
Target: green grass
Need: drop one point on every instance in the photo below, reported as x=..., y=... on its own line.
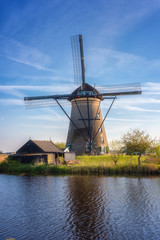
x=100, y=165
x=125, y=165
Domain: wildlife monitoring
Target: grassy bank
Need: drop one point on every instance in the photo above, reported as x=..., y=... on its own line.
x=126, y=165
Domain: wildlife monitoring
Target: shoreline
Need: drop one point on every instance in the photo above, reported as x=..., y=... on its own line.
x=128, y=169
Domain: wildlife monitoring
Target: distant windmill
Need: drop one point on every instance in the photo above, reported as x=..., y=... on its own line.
x=86, y=133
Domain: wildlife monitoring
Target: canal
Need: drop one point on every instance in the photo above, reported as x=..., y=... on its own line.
x=79, y=207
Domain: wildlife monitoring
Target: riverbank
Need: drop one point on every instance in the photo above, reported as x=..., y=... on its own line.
x=102, y=165
x=3, y=157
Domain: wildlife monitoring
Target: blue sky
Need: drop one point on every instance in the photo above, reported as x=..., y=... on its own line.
x=121, y=45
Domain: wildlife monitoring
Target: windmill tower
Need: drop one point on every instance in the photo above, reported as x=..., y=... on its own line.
x=86, y=133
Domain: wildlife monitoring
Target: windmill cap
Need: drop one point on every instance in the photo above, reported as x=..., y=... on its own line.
x=88, y=91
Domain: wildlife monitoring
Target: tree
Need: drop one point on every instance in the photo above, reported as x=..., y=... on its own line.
x=60, y=145
x=137, y=142
x=116, y=150
x=107, y=149
x=157, y=150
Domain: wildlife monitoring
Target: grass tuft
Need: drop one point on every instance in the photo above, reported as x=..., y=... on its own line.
x=86, y=165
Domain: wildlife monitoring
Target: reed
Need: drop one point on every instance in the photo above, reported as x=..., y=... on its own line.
x=99, y=165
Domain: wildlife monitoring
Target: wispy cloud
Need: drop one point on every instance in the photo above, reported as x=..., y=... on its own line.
x=5, y=101
x=133, y=108
x=101, y=61
x=151, y=88
x=23, y=54
x=16, y=90
x=131, y=120
x=11, y=91
x=49, y=88
x=29, y=62
x=138, y=100
x=54, y=116
x=140, y=103
x=117, y=17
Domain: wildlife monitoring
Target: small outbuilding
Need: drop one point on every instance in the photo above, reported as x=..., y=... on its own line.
x=38, y=152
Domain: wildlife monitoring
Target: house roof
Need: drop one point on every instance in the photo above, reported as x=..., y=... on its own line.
x=47, y=146
x=37, y=146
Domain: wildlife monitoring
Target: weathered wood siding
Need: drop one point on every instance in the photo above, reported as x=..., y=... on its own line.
x=78, y=144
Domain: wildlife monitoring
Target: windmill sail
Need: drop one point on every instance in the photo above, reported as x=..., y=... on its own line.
x=45, y=101
x=123, y=89
x=78, y=59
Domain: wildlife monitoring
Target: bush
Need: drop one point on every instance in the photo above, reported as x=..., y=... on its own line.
x=157, y=150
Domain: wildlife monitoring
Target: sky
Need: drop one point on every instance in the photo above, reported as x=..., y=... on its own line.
x=121, y=46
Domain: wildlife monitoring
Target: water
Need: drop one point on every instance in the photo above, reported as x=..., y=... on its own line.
x=79, y=207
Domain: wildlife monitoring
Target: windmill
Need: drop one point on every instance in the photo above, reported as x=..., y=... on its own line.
x=86, y=133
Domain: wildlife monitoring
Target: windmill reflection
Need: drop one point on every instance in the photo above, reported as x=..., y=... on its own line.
x=87, y=203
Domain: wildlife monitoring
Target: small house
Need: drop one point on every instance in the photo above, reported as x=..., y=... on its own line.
x=38, y=152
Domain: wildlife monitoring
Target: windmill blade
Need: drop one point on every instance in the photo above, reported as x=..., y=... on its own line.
x=58, y=96
x=117, y=90
x=45, y=101
x=76, y=59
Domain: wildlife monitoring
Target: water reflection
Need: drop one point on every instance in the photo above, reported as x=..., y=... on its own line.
x=79, y=207
x=113, y=208
x=88, y=213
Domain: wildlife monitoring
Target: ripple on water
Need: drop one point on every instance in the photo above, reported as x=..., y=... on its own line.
x=79, y=207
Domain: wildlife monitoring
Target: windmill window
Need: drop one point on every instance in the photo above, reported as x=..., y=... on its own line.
x=103, y=149
x=100, y=130
x=102, y=140
x=86, y=93
x=98, y=114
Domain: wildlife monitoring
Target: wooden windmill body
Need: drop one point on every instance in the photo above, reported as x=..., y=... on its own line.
x=86, y=133
x=86, y=114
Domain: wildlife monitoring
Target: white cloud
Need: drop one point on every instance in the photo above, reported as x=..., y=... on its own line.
x=137, y=100
x=151, y=88
x=4, y=101
x=117, y=17
x=54, y=117
x=102, y=60
x=131, y=120
x=61, y=88
x=139, y=103
x=30, y=63
x=20, y=53
x=133, y=108
x=16, y=90
x=11, y=91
